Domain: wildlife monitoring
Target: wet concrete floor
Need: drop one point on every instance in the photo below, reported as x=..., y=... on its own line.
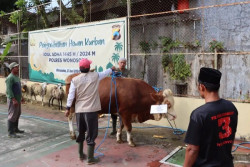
x=47, y=143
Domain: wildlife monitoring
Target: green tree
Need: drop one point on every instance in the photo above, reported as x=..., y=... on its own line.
x=115, y=57
x=109, y=65
x=25, y=18
x=118, y=46
x=71, y=14
x=5, y=52
x=100, y=69
x=41, y=11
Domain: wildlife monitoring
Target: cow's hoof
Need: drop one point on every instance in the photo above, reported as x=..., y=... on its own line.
x=113, y=133
x=120, y=141
x=72, y=136
x=132, y=144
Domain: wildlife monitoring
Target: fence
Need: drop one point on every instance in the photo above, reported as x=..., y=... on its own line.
x=168, y=41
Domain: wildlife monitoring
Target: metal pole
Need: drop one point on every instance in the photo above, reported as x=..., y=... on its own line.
x=18, y=46
x=60, y=13
x=90, y=10
x=128, y=32
x=215, y=59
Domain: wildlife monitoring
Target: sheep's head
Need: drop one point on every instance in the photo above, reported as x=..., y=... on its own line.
x=24, y=86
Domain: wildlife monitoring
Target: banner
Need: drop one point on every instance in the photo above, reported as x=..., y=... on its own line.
x=55, y=53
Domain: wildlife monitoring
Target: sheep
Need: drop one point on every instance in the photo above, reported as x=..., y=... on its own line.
x=25, y=90
x=56, y=92
x=38, y=89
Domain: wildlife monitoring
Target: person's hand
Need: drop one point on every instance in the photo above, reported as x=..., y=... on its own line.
x=113, y=68
x=67, y=113
x=15, y=102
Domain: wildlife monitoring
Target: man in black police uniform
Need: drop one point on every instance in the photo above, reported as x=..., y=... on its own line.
x=212, y=127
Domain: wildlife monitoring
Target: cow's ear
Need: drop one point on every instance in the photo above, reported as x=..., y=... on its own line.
x=156, y=97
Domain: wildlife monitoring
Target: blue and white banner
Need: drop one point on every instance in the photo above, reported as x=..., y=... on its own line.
x=55, y=53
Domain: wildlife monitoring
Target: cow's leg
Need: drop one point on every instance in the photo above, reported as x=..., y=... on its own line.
x=129, y=137
x=71, y=127
x=31, y=99
x=119, y=133
x=59, y=104
x=42, y=101
x=50, y=100
x=128, y=127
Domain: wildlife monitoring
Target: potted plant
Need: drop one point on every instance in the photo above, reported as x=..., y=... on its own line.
x=178, y=69
x=192, y=45
x=167, y=43
x=144, y=46
x=216, y=45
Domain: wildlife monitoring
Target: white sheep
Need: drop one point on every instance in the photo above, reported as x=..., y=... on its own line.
x=25, y=90
x=38, y=89
x=56, y=92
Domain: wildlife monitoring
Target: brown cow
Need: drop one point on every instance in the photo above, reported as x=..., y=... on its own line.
x=134, y=97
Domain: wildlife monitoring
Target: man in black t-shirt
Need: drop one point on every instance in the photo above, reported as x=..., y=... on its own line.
x=212, y=127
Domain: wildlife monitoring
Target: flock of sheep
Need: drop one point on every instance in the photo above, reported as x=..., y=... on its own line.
x=40, y=89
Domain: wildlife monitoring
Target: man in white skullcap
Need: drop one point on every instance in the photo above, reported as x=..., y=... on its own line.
x=122, y=67
x=124, y=73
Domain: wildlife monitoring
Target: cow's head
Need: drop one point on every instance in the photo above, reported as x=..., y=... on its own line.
x=158, y=98
x=162, y=98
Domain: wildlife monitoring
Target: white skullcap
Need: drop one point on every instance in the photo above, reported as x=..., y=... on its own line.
x=122, y=59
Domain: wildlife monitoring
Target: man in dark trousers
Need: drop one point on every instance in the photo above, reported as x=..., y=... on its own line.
x=212, y=127
x=14, y=97
x=84, y=89
x=124, y=73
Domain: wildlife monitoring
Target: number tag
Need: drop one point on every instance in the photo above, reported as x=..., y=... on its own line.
x=156, y=109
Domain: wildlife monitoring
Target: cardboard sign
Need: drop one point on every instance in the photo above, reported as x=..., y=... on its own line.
x=156, y=109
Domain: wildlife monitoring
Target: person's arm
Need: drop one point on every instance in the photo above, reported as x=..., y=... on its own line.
x=105, y=73
x=70, y=98
x=191, y=155
x=10, y=94
x=9, y=84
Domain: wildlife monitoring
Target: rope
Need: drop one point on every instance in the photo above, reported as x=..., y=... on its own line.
x=239, y=145
x=157, y=89
x=52, y=120
x=176, y=131
x=113, y=80
x=39, y=118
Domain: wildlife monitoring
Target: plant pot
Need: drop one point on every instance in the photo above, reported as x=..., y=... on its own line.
x=181, y=87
